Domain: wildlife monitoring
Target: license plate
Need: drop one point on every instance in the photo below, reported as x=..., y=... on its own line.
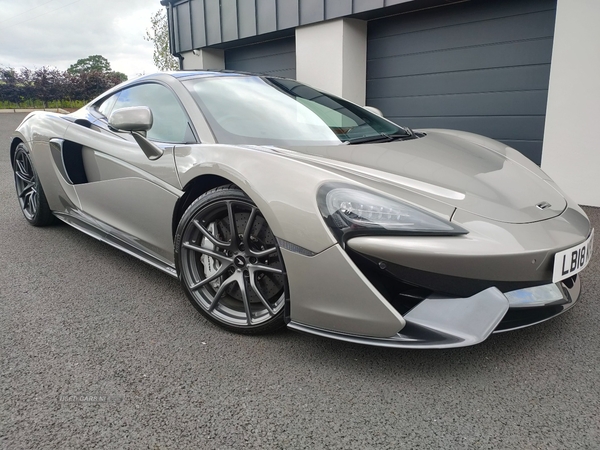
x=573, y=260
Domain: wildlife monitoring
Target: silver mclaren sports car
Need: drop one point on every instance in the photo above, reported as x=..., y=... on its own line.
x=276, y=204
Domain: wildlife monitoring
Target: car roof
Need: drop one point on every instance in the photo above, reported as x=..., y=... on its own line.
x=200, y=73
x=179, y=75
x=209, y=73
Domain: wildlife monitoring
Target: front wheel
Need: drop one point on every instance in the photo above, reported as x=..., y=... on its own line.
x=31, y=196
x=229, y=262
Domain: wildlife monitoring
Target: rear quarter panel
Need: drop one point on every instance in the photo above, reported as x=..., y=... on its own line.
x=35, y=132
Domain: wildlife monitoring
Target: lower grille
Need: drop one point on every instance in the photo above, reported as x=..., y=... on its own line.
x=401, y=295
x=392, y=281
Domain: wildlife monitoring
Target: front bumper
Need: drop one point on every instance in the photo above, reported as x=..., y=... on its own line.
x=442, y=322
x=435, y=292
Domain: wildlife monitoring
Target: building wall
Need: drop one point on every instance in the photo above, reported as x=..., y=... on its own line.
x=205, y=58
x=571, y=153
x=332, y=56
x=200, y=23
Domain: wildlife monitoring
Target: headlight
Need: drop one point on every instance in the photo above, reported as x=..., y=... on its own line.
x=349, y=211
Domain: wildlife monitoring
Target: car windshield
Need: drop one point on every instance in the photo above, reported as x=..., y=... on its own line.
x=275, y=111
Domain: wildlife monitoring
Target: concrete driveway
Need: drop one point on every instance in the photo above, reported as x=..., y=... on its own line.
x=99, y=350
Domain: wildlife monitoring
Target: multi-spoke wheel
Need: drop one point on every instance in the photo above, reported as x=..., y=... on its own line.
x=229, y=262
x=29, y=190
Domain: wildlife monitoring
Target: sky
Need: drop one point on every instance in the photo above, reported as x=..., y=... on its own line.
x=36, y=33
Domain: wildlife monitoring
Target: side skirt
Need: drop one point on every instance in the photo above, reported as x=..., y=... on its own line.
x=80, y=223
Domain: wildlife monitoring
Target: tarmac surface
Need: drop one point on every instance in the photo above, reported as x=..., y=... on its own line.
x=100, y=350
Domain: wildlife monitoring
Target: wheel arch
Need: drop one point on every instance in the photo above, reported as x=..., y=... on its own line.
x=194, y=189
x=13, y=147
x=283, y=189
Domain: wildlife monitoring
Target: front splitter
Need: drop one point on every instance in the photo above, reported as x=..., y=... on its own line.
x=441, y=322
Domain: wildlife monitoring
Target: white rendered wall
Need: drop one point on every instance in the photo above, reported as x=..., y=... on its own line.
x=571, y=153
x=205, y=58
x=332, y=56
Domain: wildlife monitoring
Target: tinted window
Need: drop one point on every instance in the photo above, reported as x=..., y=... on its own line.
x=170, y=123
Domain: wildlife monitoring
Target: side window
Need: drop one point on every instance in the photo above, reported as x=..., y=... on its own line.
x=170, y=123
x=106, y=106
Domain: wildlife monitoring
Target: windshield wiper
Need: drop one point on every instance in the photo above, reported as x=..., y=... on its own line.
x=379, y=138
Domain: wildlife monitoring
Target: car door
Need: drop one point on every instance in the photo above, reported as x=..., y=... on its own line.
x=131, y=197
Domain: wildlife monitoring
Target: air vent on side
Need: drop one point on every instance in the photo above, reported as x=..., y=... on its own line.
x=68, y=160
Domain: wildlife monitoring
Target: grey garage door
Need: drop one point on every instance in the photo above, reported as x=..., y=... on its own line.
x=481, y=66
x=276, y=57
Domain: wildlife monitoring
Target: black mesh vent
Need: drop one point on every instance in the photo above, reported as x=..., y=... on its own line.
x=402, y=296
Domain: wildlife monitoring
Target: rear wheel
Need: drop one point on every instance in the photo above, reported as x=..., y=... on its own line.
x=229, y=262
x=29, y=190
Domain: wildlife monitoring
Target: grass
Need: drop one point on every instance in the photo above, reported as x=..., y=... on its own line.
x=38, y=104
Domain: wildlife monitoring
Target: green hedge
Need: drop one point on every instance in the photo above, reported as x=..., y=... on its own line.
x=51, y=87
x=38, y=104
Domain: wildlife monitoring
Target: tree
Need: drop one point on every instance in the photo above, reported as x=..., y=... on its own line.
x=87, y=85
x=119, y=76
x=158, y=34
x=93, y=63
x=11, y=85
x=48, y=84
x=96, y=64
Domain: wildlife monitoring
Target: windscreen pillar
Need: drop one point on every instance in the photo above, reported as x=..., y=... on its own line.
x=332, y=56
x=204, y=58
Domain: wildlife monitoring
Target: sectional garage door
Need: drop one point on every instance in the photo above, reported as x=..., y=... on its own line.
x=276, y=57
x=481, y=66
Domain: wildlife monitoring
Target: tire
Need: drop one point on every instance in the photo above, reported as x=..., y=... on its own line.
x=231, y=270
x=32, y=199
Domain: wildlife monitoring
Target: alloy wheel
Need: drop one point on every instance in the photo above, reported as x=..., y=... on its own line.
x=26, y=184
x=231, y=265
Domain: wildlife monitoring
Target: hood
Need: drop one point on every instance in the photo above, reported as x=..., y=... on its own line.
x=452, y=169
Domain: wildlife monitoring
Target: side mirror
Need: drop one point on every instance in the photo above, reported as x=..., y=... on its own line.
x=137, y=120
x=374, y=110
